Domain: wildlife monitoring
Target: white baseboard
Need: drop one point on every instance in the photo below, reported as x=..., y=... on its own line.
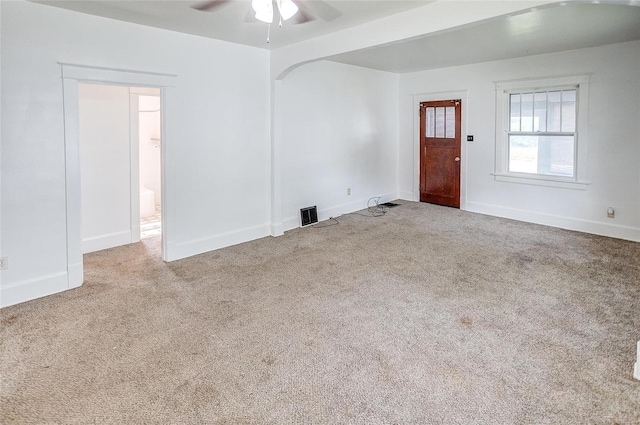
x=98, y=243
x=15, y=293
x=636, y=367
x=179, y=250
x=277, y=229
x=407, y=196
x=135, y=233
x=75, y=275
x=587, y=226
x=335, y=211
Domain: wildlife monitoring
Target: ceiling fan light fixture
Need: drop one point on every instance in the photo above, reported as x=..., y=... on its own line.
x=264, y=10
x=287, y=8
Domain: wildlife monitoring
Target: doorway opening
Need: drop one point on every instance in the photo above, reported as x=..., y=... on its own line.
x=72, y=76
x=120, y=164
x=149, y=143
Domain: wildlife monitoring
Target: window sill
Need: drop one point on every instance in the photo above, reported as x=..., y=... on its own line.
x=541, y=181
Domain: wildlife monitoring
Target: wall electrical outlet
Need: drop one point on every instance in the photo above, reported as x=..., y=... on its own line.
x=611, y=213
x=348, y=191
x=4, y=263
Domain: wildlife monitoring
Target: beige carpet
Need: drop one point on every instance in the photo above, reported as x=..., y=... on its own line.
x=427, y=315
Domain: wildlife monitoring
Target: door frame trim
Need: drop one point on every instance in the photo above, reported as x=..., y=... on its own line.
x=434, y=97
x=72, y=75
x=134, y=163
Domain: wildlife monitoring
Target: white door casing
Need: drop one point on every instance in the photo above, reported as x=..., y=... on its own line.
x=72, y=75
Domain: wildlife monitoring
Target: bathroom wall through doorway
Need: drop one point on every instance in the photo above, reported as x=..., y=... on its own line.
x=120, y=143
x=149, y=138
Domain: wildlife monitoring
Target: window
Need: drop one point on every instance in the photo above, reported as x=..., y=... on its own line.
x=542, y=133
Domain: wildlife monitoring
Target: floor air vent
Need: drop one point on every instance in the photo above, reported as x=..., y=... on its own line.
x=309, y=215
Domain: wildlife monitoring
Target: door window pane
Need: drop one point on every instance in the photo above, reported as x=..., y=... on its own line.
x=440, y=122
x=450, y=127
x=431, y=124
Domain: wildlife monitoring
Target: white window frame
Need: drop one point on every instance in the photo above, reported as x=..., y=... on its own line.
x=503, y=90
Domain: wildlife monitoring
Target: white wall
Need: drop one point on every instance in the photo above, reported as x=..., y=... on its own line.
x=613, y=151
x=105, y=166
x=218, y=169
x=149, y=128
x=339, y=131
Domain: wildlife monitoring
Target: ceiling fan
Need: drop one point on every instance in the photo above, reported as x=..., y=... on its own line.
x=304, y=11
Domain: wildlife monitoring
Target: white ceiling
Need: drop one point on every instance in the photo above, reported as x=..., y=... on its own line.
x=233, y=20
x=555, y=28
x=552, y=29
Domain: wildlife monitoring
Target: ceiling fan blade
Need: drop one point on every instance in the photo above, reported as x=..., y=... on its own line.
x=207, y=6
x=301, y=17
x=319, y=8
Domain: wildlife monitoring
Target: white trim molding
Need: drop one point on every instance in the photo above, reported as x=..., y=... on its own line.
x=98, y=243
x=18, y=292
x=636, y=367
x=407, y=196
x=177, y=251
x=101, y=75
x=537, y=180
x=276, y=227
x=134, y=164
x=587, y=226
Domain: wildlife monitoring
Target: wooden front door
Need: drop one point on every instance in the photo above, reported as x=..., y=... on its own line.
x=440, y=152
